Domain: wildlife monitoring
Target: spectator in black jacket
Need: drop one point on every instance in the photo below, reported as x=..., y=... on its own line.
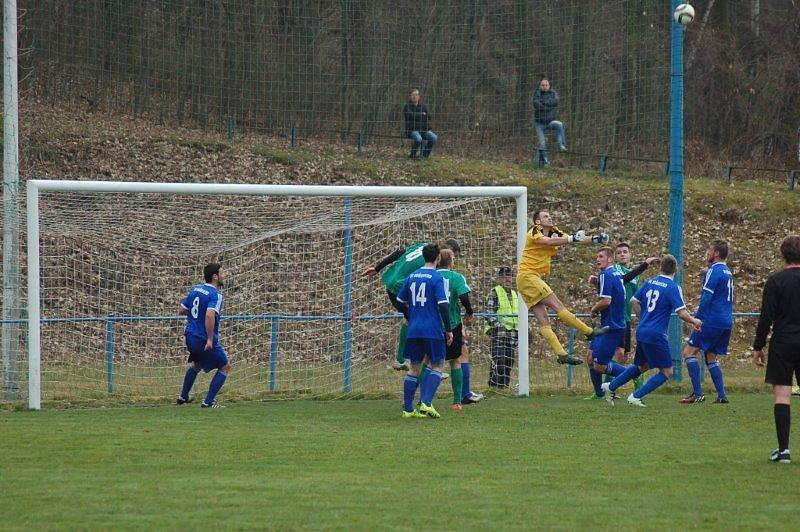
x=545, y=101
x=780, y=311
x=418, y=127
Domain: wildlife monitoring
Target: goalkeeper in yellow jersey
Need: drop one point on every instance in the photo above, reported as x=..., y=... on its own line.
x=541, y=244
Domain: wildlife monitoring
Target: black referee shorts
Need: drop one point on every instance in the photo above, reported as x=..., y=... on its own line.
x=454, y=349
x=783, y=362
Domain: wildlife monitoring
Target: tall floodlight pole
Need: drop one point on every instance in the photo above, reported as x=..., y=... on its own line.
x=11, y=291
x=676, y=179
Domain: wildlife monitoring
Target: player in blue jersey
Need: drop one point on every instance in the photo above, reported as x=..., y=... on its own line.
x=425, y=304
x=716, y=312
x=654, y=303
x=611, y=309
x=203, y=308
x=398, y=265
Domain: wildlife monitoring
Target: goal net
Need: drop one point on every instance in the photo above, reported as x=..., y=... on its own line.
x=115, y=260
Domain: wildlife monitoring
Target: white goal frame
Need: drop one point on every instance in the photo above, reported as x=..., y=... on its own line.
x=36, y=186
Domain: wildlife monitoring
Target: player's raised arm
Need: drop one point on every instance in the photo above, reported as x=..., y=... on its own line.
x=388, y=259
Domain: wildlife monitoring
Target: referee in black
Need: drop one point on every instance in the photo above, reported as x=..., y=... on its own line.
x=780, y=310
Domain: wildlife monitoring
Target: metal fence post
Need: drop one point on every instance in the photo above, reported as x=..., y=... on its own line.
x=603, y=164
x=348, y=292
x=231, y=127
x=792, y=178
x=273, y=352
x=727, y=173
x=110, y=354
x=360, y=142
x=571, y=351
x=293, y=137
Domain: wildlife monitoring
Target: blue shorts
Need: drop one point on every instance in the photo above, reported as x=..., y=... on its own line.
x=655, y=354
x=711, y=340
x=603, y=347
x=417, y=348
x=214, y=358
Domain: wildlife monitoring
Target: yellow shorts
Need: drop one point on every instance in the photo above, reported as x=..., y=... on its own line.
x=532, y=288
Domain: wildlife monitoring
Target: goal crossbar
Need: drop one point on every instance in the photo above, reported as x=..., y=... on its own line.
x=35, y=187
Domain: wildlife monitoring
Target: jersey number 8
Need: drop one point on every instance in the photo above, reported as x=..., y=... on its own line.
x=195, y=307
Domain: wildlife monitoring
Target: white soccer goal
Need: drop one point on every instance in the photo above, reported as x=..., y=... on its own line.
x=109, y=262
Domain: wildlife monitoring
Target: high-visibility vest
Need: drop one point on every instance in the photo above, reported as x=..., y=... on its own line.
x=504, y=306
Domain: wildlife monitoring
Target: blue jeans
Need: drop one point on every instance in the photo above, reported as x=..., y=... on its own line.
x=556, y=126
x=427, y=140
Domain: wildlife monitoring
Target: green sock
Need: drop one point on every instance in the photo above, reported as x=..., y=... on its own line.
x=400, y=355
x=456, y=380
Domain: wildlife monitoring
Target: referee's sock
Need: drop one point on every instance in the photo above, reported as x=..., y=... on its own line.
x=783, y=424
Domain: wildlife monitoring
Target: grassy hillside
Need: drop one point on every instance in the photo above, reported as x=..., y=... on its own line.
x=631, y=206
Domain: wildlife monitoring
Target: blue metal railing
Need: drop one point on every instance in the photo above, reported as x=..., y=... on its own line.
x=275, y=319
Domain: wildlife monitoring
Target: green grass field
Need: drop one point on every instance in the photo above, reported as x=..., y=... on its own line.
x=555, y=462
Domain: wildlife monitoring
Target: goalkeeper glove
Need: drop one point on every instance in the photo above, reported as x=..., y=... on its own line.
x=579, y=236
x=602, y=238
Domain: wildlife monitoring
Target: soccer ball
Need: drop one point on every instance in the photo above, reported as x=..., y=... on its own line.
x=683, y=14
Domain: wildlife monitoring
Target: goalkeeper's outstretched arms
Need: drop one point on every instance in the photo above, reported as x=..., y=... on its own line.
x=559, y=238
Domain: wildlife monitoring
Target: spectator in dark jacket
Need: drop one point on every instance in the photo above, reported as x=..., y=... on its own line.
x=418, y=127
x=545, y=101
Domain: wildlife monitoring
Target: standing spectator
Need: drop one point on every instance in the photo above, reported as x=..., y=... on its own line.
x=780, y=311
x=503, y=299
x=545, y=101
x=418, y=126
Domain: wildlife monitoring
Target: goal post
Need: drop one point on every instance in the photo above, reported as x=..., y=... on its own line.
x=90, y=214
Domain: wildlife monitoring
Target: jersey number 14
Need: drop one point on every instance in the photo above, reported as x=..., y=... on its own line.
x=418, y=295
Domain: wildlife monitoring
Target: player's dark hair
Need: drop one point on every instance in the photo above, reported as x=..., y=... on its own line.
x=790, y=249
x=607, y=250
x=430, y=252
x=669, y=265
x=536, y=216
x=445, y=258
x=721, y=247
x=452, y=245
x=211, y=270
x=623, y=245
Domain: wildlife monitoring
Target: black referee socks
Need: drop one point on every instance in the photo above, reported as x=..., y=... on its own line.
x=783, y=424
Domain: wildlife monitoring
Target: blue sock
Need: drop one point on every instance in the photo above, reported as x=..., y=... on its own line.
x=652, y=383
x=693, y=368
x=716, y=375
x=465, y=389
x=615, y=369
x=432, y=380
x=188, y=381
x=597, y=380
x=216, y=384
x=409, y=389
x=630, y=373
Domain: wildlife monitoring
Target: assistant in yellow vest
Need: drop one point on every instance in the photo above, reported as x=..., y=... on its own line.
x=502, y=305
x=541, y=244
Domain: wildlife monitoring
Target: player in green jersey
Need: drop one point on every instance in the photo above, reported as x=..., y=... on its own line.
x=458, y=293
x=398, y=266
